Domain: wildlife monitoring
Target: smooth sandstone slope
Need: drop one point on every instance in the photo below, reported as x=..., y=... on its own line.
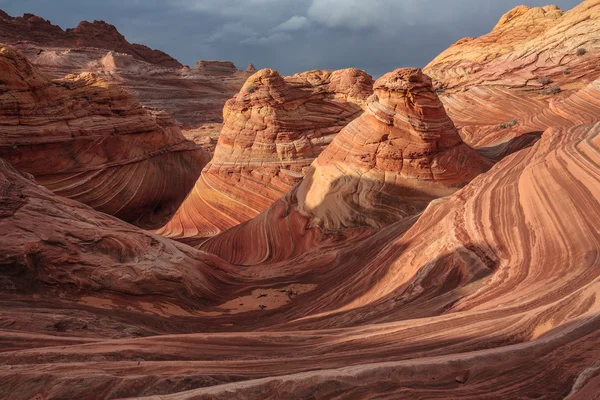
x=273, y=129
x=386, y=165
x=90, y=141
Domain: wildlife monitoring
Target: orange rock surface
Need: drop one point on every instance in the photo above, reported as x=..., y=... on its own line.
x=274, y=128
x=90, y=141
x=533, y=59
x=527, y=44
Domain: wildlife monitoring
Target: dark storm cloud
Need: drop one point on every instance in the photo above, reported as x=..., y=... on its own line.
x=289, y=35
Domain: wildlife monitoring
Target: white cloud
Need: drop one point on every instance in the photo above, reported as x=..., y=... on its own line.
x=278, y=37
x=295, y=23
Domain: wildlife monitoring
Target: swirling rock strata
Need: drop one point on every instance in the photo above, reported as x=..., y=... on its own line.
x=384, y=166
x=534, y=58
x=274, y=128
x=90, y=141
x=492, y=292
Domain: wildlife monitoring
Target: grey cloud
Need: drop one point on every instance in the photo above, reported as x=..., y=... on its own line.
x=231, y=30
x=278, y=37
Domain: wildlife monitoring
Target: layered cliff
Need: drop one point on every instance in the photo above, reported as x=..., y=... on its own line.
x=533, y=59
x=193, y=97
x=98, y=34
x=273, y=129
x=90, y=141
x=526, y=45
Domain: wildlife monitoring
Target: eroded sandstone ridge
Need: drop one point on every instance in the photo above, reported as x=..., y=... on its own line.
x=274, y=128
x=88, y=140
x=386, y=165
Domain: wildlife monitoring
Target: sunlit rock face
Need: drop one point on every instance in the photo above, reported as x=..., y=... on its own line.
x=497, y=86
x=274, y=128
x=88, y=140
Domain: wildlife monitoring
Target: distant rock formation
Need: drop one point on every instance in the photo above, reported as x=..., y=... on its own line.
x=274, y=128
x=98, y=34
x=88, y=140
x=193, y=97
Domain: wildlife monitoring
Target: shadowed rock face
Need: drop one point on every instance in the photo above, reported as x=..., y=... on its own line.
x=384, y=166
x=274, y=128
x=50, y=242
x=98, y=34
x=90, y=141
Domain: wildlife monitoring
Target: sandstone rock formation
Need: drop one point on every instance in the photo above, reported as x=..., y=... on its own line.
x=274, y=128
x=384, y=166
x=90, y=141
x=193, y=97
x=98, y=34
x=354, y=284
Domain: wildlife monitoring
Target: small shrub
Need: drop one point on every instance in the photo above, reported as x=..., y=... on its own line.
x=251, y=89
x=551, y=90
x=566, y=72
x=439, y=90
x=581, y=51
x=509, y=124
x=544, y=80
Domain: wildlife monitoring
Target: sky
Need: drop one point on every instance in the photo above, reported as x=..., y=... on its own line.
x=289, y=35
